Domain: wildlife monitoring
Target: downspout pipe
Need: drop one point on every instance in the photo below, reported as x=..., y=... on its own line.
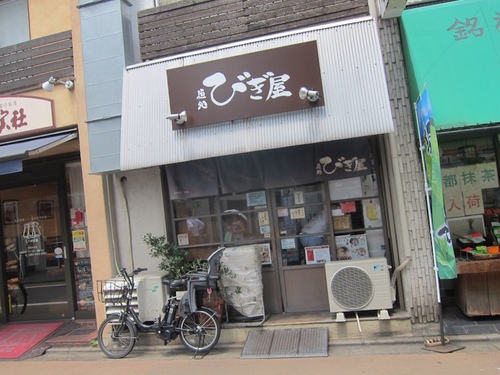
x=403, y=237
x=123, y=179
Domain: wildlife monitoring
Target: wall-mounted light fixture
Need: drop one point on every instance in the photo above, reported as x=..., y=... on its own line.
x=311, y=95
x=179, y=118
x=49, y=85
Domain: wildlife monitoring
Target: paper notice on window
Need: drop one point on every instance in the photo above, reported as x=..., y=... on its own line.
x=79, y=241
x=297, y=213
x=371, y=213
x=473, y=201
x=346, y=188
x=183, y=239
x=288, y=243
x=283, y=212
x=263, y=218
x=298, y=197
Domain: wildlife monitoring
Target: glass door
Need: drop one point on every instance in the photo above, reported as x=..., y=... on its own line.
x=35, y=255
x=304, y=244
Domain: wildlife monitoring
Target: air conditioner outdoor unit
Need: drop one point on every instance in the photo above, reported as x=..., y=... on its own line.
x=359, y=285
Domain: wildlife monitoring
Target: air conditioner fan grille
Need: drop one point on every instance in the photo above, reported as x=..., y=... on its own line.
x=352, y=288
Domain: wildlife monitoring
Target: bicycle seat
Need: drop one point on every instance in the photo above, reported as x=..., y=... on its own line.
x=203, y=280
x=174, y=285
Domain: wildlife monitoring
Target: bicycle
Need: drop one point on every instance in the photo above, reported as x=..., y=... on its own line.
x=18, y=296
x=198, y=327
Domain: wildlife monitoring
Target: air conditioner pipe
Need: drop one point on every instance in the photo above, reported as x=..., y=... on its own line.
x=395, y=275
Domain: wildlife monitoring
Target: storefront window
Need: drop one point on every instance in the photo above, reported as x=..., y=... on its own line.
x=196, y=221
x=357, y=218
x=245, y=217
x=303, y=224
x=470, y=189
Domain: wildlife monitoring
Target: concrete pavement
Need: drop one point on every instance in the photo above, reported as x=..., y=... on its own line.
x=480, y=356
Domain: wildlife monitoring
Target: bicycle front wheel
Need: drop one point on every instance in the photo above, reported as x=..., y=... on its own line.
x=116, y=336
x=200, y=330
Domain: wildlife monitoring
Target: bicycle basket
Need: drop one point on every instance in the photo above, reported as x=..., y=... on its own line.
x=112, y=292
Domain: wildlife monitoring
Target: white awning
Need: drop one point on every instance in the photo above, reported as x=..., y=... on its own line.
x=12, y=154
x=355, y=93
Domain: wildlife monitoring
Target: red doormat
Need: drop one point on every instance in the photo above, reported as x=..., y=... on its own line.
x=17, y=339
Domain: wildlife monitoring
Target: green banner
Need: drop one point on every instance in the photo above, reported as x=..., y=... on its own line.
x=443, y=248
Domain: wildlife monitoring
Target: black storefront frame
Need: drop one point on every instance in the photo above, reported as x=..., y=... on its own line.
x=38, y=171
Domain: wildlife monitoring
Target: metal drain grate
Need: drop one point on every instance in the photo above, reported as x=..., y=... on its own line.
x=287, y=343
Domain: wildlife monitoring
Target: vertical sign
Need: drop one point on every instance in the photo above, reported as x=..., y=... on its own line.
x=443, y=248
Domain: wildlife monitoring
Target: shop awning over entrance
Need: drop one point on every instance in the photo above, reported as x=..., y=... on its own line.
x=452, y=49
x=12, y=154
x=354, y=101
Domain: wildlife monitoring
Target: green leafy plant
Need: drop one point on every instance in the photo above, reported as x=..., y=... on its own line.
x=94, y=343
x=172, y=259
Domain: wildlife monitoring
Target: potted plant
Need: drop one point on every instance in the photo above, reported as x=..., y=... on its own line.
x=172, y=259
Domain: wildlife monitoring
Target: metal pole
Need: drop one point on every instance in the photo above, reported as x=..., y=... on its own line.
x=429, y=212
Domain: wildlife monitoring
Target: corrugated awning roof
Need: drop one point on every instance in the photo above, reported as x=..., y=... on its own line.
x=355, y=94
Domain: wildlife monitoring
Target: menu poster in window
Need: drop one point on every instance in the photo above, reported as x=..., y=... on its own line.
x=79, y=241
x=317, y=254
x=265, y=252
x=83, y=281
x=342, y=222
x=358, y=246
x=342, y=247
x=351, y=247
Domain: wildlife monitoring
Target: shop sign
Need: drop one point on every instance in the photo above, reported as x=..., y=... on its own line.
x=83, y=283
x=20, y=115
x=250, y=85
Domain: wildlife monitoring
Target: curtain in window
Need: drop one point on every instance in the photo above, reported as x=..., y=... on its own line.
x=270, y=169
x=192, y=179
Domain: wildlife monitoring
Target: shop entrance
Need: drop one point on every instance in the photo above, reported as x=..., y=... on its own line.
x=302, y=217
x=36, y=263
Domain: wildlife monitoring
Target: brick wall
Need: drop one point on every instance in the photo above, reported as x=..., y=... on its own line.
x=419, y=282
x=194, y=24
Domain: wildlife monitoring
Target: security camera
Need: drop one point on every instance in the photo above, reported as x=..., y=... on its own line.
x=311, y=95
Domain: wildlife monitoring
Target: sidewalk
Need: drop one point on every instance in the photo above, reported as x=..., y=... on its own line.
x=368, y=330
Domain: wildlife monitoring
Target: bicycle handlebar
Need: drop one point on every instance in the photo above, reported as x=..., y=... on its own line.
x=128, y=276
x=137, y=270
